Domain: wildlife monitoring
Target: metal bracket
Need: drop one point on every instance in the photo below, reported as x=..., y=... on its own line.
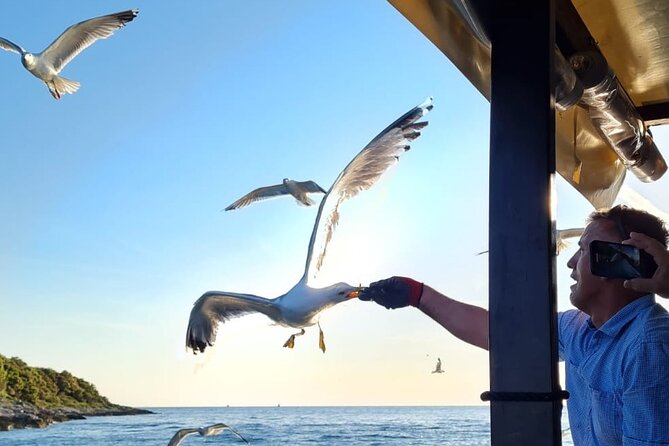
x=525, y=396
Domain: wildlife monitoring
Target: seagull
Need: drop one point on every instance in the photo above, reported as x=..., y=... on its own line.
x=298, y=189
x=437, y=368
x=208, y=431
x=564, y=235
x=301, y=305
x=562, y=239
x=47, y=64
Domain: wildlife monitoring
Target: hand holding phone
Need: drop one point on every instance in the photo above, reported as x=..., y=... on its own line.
x=620, y=261
x=659, y=282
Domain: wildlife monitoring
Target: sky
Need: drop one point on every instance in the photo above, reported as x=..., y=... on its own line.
x=111, y=201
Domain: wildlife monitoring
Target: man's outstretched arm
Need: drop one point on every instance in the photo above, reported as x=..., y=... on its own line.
x=467, y=322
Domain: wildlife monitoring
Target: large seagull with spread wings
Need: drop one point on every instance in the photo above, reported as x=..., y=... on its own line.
x=302, y=304
x=47, y=64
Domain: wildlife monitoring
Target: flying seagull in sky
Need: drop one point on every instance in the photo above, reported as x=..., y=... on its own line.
x=47, y=64
x=561, y=240
x=298, y=189
x=437, y=368
x=208, y=431
x=301, y=305
x=565, y=235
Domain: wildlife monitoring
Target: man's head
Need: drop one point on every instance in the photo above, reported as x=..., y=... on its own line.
x=626, y=220
x=593, y=294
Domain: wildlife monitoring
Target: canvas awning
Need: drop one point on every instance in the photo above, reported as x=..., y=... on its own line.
x=633, y=37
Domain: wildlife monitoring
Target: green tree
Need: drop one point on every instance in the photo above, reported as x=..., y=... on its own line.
x=46, y=387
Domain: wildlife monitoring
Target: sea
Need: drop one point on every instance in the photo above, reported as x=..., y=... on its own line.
x=351, y=426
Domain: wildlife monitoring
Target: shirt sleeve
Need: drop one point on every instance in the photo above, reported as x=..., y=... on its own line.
x=567, y=328
x=646, y=395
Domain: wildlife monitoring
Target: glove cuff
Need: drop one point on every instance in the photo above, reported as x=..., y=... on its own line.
x=415, y=292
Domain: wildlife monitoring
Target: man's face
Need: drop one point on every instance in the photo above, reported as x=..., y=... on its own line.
x=587, y=286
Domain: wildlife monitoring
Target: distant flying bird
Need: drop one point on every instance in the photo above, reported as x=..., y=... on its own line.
x=47, y=64
x=301, y=305
x=208, y=431
x=562, y=239
x=437, y=368
x=298, y=189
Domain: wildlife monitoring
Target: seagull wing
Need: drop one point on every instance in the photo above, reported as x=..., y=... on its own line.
x=216, y=429
x=216, y=306
x=262, y=193
x=78, y=37
x=311, y=187
x=239, y=435
x=563, y=235
x=361, y=174
x=180, y=435
x=10, y=46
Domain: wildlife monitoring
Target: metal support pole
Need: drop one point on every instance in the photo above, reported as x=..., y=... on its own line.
x=525, y=405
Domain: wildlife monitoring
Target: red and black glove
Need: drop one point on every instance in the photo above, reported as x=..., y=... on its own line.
x=396, y=292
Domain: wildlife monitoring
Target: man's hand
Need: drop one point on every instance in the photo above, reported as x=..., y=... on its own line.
x=659, y=283
x=396, y=292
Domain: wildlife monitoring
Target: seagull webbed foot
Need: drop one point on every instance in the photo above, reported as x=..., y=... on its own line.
x=290, y=343
x=321, y=338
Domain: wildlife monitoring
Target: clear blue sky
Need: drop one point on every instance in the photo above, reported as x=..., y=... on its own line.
x=110, y=200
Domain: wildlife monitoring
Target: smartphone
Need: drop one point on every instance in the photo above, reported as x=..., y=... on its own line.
x=618, y=261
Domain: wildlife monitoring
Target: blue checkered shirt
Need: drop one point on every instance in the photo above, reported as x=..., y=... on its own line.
x=618, y=375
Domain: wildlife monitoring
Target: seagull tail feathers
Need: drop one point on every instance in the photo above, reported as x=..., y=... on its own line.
x=60, y=85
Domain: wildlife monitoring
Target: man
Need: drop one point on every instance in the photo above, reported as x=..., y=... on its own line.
x=615, y=344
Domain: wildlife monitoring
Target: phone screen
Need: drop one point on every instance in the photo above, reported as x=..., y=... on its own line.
x=615, y=260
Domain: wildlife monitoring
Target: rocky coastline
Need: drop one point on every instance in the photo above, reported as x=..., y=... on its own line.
x=21, y=415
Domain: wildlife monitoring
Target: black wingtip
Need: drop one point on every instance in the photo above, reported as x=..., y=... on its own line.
x=411, y=135
x=196, y=345
x=127, y=16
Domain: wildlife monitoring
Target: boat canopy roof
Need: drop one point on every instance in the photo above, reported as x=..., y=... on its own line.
x=631, y=35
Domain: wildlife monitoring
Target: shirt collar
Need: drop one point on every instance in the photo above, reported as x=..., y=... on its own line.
x=625, y=315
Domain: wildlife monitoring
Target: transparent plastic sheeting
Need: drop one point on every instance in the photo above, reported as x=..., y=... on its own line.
x=616, y=118
x=568, y=88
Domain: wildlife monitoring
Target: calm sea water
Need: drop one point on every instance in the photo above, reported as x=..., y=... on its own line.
x=355, y=426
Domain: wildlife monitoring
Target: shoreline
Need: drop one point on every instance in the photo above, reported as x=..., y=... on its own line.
x=23, y=415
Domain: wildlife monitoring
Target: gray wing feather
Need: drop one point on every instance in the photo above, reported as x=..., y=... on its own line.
x=312, y=187
x=361, y=174
x=216, y=429
x=180, y=435
x=238, y=435
x=215, y=307
x=78, y=37
x=262, y=193
x=10, y=46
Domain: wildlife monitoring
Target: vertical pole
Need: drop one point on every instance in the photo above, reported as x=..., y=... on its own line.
x=523, y=347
